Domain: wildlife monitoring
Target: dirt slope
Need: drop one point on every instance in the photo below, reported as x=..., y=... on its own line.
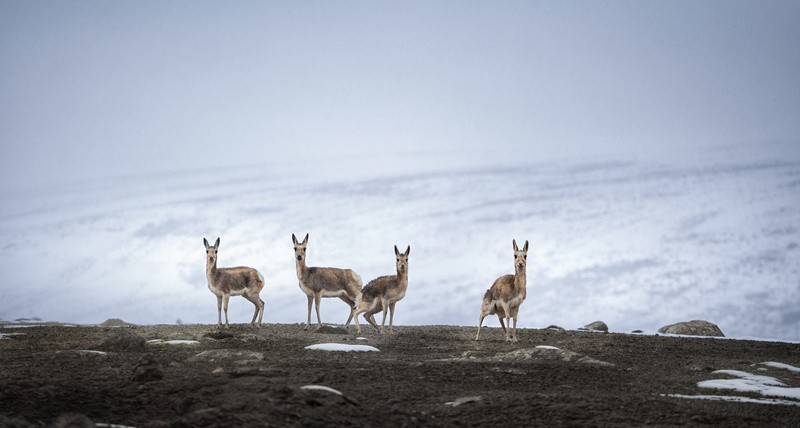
x=254, y=377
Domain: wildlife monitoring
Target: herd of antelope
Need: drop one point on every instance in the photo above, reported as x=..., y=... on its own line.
x=503, y=298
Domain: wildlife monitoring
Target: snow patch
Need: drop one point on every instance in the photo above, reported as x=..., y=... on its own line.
x=547, y=347
x=22, y=325
x=321, y=388
x=341, y=347
x=735, y=399
x=93, y=352
x=781, y=366
x=172, y=342
x=7, y=335
x=746, y=382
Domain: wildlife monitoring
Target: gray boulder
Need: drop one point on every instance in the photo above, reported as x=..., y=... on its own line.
x=596, y=326
x=693, y=328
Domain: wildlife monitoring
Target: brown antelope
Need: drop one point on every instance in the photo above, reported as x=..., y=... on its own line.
x=506, y=294
x=382, y=293
x=319, y=282
x=236, y=281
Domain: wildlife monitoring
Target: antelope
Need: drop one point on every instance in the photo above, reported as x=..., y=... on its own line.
x=236, y=281
x=382, y=293
x=319, y=282
x=506, y=294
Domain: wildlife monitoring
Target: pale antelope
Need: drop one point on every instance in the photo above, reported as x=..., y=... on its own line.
x=236, y=281
x=506, y=294
x=382, y=293
x=319, y=282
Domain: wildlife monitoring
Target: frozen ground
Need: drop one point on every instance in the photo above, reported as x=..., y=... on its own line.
x=635, y=243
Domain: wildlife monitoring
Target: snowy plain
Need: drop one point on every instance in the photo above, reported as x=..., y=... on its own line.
x=636, y=242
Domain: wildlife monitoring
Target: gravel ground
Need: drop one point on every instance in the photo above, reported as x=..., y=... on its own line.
x=422, y=376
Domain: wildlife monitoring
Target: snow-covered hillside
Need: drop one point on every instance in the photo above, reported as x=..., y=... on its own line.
x=637, y=244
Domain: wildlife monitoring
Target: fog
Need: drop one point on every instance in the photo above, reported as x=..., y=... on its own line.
x=95, y=89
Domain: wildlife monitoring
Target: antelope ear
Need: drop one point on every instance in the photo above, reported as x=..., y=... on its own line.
x=294, y=239
x=408, y=251
x=216, y=244
x=205, y=242
x=515, y=245
x=396, y=252
x=305, y=241
x=525, y=248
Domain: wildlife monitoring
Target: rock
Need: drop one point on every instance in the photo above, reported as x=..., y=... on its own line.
x=230, y=356
x=555, y=327
x=596, y=326
x=148, y=370
x=73, y=420
x=116, y=322
x=693, y=328
x=122, y=341
x=464, y=400
x=637, y=332
x=189, y=405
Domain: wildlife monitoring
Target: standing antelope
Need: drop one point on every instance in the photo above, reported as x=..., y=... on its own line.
x=382, y=293
x=319, y=282
x=236, y=281
x=506, y=294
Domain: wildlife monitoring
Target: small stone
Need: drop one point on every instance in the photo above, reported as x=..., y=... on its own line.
x=189, y=405
x=464, y=400
x=73, y=420
x=148, y=370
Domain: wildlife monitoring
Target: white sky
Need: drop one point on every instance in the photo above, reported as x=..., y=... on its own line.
x=94, y=89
